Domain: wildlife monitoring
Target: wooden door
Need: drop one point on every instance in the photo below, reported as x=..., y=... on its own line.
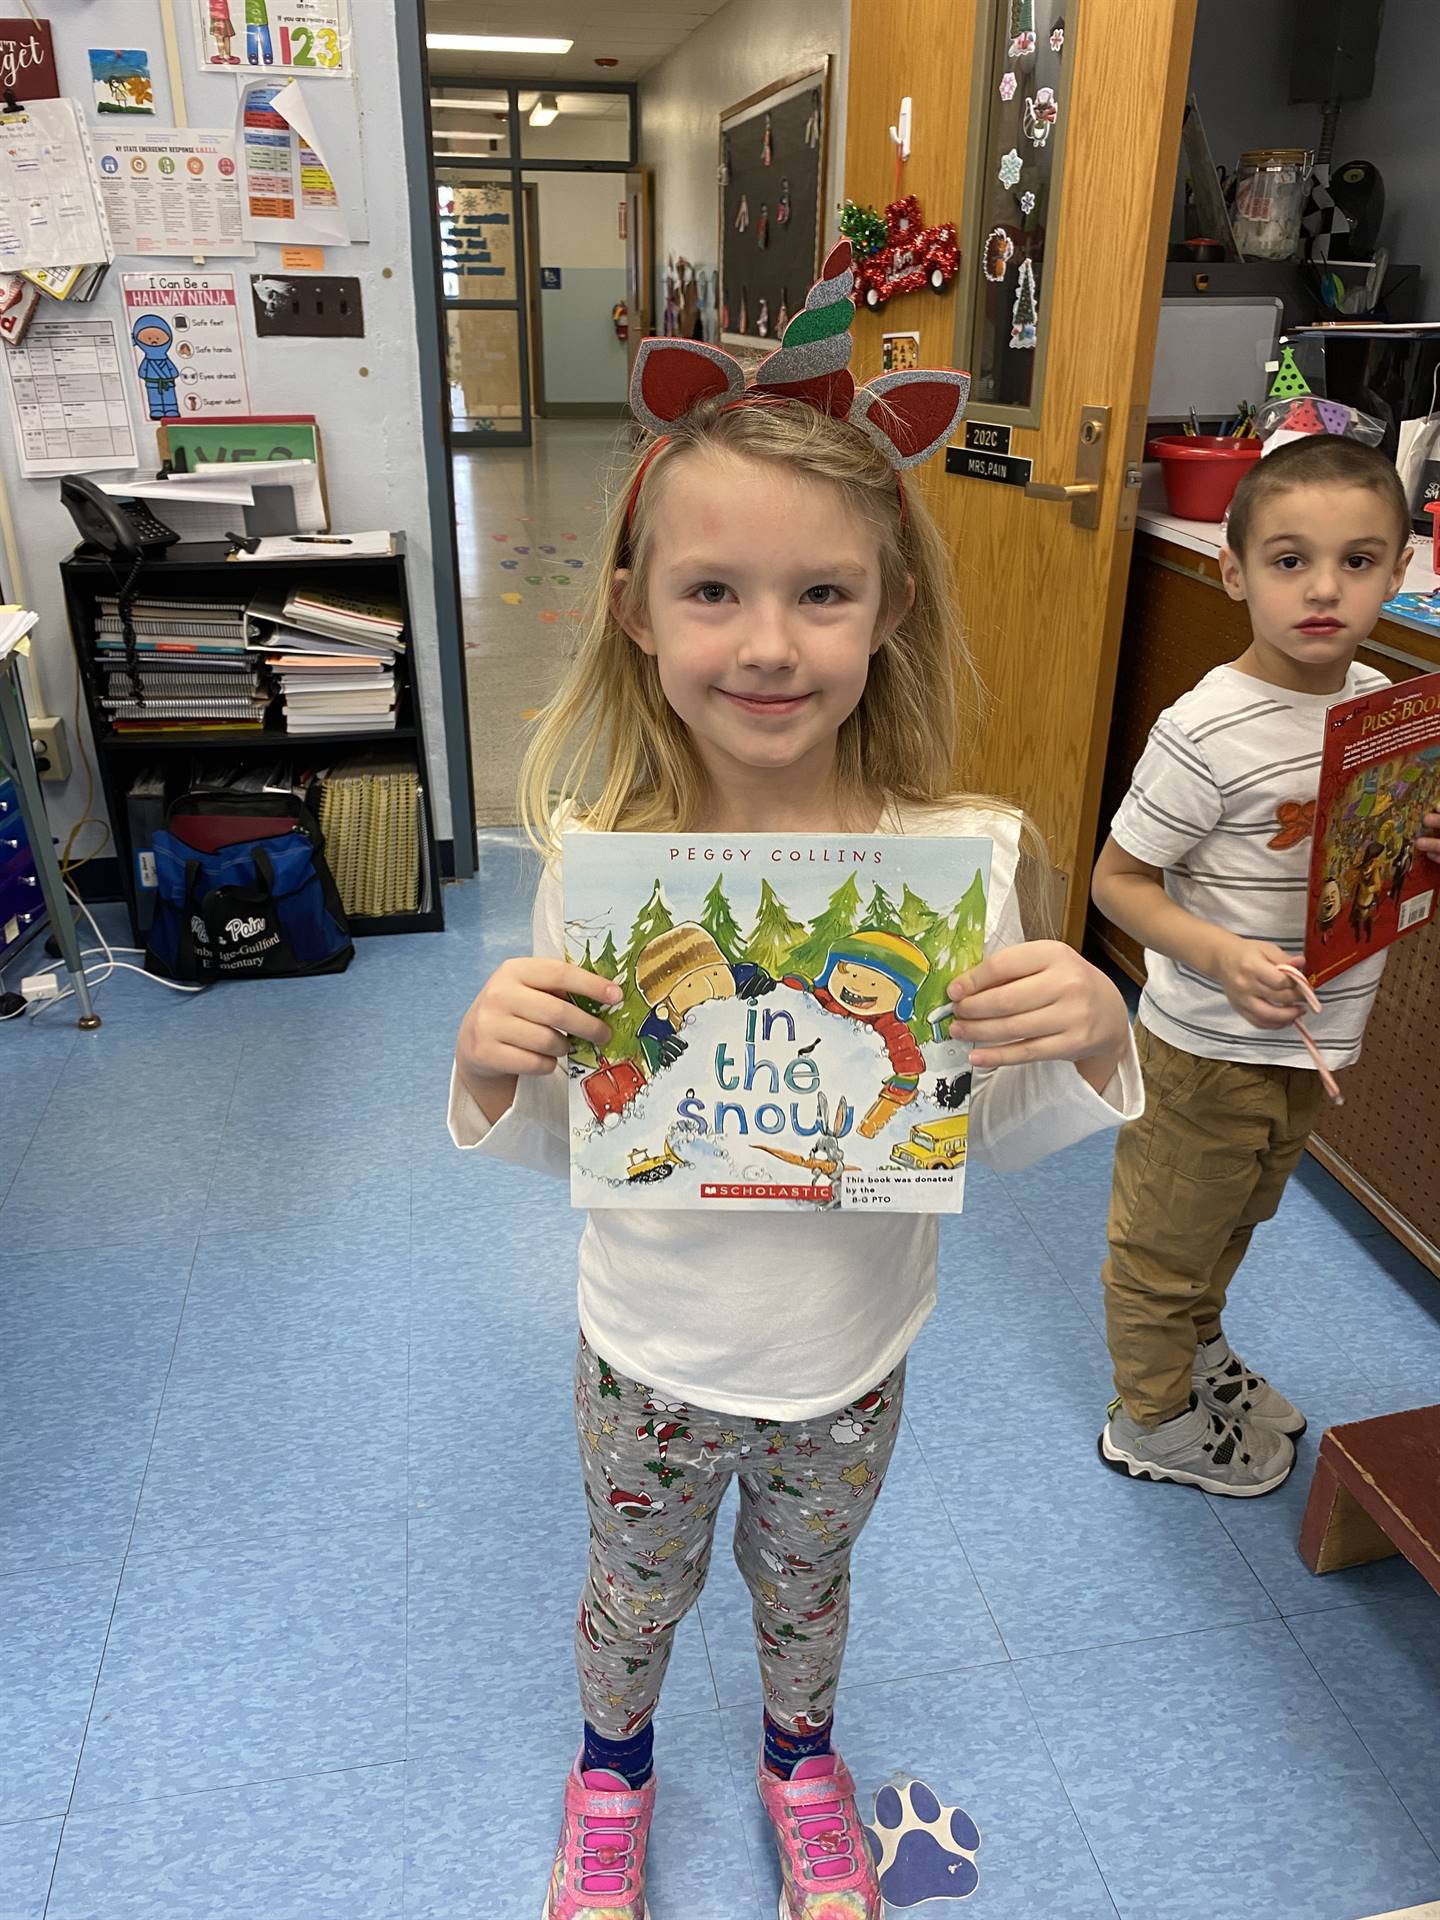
x=1041, y=596
x=639, y=257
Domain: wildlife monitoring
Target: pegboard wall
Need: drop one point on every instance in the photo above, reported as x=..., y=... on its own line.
x=1178, y=625
x=768, y=262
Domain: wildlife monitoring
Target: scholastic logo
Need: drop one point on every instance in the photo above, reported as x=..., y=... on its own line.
x=748, y=1190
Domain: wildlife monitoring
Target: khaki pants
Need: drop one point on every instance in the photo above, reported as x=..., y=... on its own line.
x=1194, y=1176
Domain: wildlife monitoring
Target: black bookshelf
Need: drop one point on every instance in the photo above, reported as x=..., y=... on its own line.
x=201, y=570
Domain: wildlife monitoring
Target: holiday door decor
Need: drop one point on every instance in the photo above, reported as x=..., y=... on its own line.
x=912, y=257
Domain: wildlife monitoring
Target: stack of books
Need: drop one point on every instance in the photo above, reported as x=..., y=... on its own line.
x=191, y=671
x=332, y=659
x=371, y=813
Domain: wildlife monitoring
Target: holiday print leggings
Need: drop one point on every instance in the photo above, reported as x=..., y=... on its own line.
x=655, y=1472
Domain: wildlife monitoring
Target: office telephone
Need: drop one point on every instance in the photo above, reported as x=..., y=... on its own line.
x=115, y=526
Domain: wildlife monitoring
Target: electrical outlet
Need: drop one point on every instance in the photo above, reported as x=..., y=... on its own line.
x=48, y=744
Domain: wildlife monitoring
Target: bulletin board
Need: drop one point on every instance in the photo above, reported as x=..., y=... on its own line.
x=780, y=272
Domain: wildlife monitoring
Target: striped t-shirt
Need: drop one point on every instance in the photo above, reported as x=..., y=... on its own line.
x=1223, y=799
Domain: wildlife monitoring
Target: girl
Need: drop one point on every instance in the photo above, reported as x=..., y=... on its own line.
x=772, y=647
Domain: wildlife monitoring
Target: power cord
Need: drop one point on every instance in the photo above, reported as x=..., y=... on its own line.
x=101, y=973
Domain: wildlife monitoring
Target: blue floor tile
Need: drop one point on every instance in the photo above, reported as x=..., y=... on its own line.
x=1382, y=1663
x=226, y=1670
x=70, y=1482
x=52, y=1634
x=970, y=1737
x=1295, y=1811
x=327, y=1848
x=27, y=1860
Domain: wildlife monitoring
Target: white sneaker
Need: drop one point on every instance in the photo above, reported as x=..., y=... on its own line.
x=1221, y=1381
x=1198, y=1448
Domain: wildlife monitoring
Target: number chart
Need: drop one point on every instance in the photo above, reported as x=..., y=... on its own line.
x=308, y=38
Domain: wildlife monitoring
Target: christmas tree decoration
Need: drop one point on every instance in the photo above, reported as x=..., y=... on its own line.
x=762, y=225
x=742, y=215
x=1289, y=383
x=1008, y=84
x=1040, y=116
x=782, y=208
x=1022, y=318
x=762, y=320
x=999, y=251
x=864, y=228
x=1011, y=167
x=767, y=150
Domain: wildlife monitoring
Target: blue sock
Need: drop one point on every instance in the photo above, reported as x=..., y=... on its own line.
x=631, y=1759
x=785, y=1750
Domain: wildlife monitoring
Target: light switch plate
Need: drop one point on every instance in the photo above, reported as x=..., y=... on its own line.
x=307, y=306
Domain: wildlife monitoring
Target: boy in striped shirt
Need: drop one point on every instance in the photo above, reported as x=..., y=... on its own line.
x=1208, y=864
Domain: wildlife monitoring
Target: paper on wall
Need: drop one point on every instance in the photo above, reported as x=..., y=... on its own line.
x=50, y=208
x=309, y=37
x=289, y=193
x=171, y=190
x=66, y=384
x=204, y=348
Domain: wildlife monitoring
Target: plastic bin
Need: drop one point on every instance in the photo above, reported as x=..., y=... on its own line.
x=1202, y=471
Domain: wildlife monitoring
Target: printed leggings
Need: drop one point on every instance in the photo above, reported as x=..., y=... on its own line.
x=655, y=1473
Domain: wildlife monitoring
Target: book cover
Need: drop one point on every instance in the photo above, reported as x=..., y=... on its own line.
x=783, y=1039
x=1379, y=776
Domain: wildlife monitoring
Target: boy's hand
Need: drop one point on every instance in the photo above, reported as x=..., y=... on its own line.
x=1040, y=1001
x=1429, y=841
x=1249, y=971
x=521, y=1020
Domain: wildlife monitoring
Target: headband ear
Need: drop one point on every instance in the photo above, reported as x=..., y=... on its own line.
x=909, y=415
x=671, y=376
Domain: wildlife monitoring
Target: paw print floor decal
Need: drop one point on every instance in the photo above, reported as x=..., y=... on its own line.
x=922, y=1849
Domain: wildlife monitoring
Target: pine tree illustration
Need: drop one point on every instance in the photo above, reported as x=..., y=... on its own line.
x=719, y=922
x=916, y=919
x=607, y=961
x=882, y=915
x=627, y=1019
x=840, y=915
x=1289, y=383
x=774, y=935
x=954, y=944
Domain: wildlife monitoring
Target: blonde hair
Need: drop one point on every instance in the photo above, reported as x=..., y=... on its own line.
x=922, y=697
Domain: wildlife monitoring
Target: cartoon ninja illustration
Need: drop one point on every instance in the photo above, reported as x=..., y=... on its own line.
x=679, y=970
x=222, y=32
x=258, y=48
x=874, y=977
x=1369, y=887
x=158, y=372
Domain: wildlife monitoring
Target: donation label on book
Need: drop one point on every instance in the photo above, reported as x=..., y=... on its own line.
x=783, y=1039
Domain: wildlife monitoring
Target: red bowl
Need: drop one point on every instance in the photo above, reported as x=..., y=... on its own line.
x=1202, y=471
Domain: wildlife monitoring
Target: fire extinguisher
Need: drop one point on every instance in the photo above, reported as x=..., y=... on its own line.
x=620, y=315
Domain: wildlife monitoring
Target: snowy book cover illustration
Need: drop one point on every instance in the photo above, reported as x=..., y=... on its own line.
x=783, y=1040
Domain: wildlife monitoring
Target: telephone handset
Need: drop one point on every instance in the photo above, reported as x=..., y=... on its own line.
x=116, y=526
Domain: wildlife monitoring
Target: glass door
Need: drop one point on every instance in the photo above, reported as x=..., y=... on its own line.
x=482, y=268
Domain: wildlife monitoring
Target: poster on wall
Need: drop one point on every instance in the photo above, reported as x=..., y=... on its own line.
x=27, y=59
x=50, y=211
x=67, y=397
x=122, y=80
x=289, y=194
x=310, y=38
x=184, y=331
x=172, y=190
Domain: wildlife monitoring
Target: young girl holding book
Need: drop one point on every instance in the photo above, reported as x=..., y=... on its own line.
x=772, y=648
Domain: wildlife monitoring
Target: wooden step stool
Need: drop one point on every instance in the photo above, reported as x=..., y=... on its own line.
x=1376, y=1492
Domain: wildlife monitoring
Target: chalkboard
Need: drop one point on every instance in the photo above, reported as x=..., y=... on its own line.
x=781, y=272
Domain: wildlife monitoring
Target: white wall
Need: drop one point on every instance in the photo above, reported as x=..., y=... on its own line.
x=747, y=45
x=365, y=393
x=1240, y=73
x=579, y=232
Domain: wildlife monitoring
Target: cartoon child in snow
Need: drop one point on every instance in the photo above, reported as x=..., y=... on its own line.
x=873, y=977
x=682, y=969
x=158, y=372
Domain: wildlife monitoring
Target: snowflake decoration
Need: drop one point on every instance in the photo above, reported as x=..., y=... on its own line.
x=1027, y=201
x=1010, y=168
x=1057, y=39
x=1008, y=84
x=1022, y=46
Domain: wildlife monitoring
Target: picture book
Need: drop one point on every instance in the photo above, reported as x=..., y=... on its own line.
x=784, y=1040
x=1379, y=776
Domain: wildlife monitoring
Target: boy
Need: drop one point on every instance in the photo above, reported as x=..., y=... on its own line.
x=1205, y=866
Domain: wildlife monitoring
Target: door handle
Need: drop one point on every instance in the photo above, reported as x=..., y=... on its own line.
x=1083, y=492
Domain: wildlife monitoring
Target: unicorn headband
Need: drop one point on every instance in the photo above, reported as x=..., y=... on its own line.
x=907, y=415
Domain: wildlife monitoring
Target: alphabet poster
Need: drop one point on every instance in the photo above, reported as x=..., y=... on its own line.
x=784, y=1039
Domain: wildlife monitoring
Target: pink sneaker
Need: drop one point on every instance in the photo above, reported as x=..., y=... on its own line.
x=599, y=1871
x=826, y=1870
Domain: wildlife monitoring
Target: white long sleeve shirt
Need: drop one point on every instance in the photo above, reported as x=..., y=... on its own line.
x=775, y=1315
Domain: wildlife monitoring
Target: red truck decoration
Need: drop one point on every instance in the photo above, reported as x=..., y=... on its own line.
x=913, y=256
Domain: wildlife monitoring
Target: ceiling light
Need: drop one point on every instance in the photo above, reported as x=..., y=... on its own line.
x=544, y=110
x=493, y=43
x=469, y=106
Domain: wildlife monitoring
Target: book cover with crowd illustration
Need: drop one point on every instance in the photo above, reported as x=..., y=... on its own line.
x=1379, y=776
x=783, y=1040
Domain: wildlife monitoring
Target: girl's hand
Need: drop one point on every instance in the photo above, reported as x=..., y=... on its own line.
x=1040, y=1001
x=521, y=1020
x=1249, y=971
x=1429, y=841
